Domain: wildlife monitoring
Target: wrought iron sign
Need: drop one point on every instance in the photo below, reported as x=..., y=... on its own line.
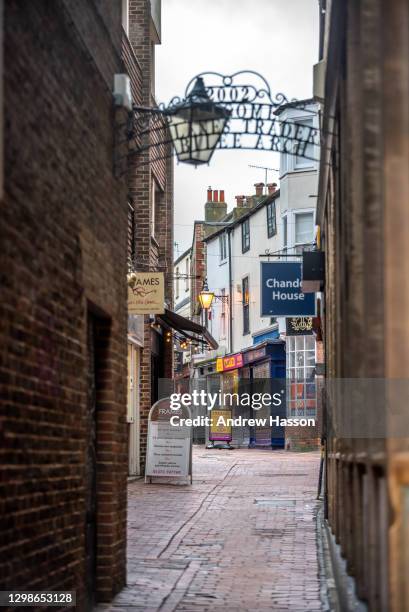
x=237, y=111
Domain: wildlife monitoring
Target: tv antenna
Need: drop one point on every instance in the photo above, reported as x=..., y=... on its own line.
x=266, y=170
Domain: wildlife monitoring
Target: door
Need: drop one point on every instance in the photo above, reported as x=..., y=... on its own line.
x=262, y=384
x=134, y=363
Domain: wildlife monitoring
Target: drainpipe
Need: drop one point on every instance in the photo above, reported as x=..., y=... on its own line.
x=230, y=295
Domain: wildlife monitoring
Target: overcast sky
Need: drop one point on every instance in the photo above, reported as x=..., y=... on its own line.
x=277, y=38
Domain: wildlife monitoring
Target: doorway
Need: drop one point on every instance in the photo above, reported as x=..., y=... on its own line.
x=134, y=364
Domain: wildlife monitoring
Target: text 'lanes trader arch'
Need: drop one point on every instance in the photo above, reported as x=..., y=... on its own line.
x=237, y=111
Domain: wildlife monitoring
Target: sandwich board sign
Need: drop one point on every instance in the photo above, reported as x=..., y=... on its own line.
x=169, y=449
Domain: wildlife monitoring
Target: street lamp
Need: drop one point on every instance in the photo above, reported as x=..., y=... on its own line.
x=205, y=296
x=196, y=125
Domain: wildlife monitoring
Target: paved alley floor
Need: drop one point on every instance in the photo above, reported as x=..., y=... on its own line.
x=243, y=537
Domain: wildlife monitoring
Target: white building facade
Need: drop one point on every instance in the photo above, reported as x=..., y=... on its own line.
x=182, y=284
x=283, y=222
x=233, y=273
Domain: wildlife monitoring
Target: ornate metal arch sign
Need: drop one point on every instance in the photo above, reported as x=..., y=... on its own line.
x=236, y=111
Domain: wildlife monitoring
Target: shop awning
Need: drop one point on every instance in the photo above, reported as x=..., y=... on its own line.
x=185, y=326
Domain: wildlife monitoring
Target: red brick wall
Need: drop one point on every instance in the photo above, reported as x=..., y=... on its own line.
x=197, y=266
x=63, y=236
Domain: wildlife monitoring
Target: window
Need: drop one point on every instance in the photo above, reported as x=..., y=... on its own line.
x=187, y=271
x=304, y=228
x=285, y=232
x=153, y=69
x=223, y=314
x=271, y=219
x=222, y=246
x=301, y=395
x=156, y=208
x=303, y=132
x=246, y=305
x=245, y=236
x=177, y=283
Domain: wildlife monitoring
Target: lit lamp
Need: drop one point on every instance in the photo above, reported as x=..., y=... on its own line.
x=205, y=296
x=196, y=125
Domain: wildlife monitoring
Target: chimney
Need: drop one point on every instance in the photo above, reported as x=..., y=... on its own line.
x=272, y=187
x=259, y=189
x=215, y=210
x=240, y=200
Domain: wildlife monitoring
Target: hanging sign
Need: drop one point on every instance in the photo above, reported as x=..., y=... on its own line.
x=232, y=362
x=281, y=293
x=299, y=326
x=146, y=293
x=169, y=450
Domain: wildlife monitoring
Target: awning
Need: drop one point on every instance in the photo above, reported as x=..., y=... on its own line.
x=183, y=325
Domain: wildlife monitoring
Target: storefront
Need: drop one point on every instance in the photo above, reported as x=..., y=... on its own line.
x=205, y=377
x=264, y=368
x=301, y=382
x=230, y=369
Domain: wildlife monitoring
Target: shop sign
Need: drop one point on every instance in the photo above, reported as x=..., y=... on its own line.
x=146, y=295
x=281, y=293
x=299, y=326
x=232, y=362
x=254, y=355
x=169, y=451
x=220, y=432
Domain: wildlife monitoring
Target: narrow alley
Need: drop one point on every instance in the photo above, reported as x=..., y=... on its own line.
x=243, y=537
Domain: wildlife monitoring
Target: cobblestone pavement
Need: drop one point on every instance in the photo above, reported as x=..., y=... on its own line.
x=243, y=537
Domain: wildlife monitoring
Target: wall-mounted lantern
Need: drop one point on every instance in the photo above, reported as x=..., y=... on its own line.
x=206, y=297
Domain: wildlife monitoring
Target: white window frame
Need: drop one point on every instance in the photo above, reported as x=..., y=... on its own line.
x=177, y=283
x=187, y=270
x=300, y=366
x=303, y=211
x=284, y=223
x=245, y=223
x=223, y=313
x=223, y=247
x=304, y=164
x=245, y=304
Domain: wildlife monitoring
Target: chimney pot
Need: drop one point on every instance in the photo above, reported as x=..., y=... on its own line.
x=272, y=187
x=259, y=188
x=209, y=194
x=240, y=200
x=215, y=195
x=221, y=195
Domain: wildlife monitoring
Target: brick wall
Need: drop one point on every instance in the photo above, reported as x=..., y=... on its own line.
x=152, y=253
x=197, y=266
x=63, y=233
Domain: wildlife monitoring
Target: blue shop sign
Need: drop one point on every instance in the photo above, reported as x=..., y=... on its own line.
x=281, y=294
